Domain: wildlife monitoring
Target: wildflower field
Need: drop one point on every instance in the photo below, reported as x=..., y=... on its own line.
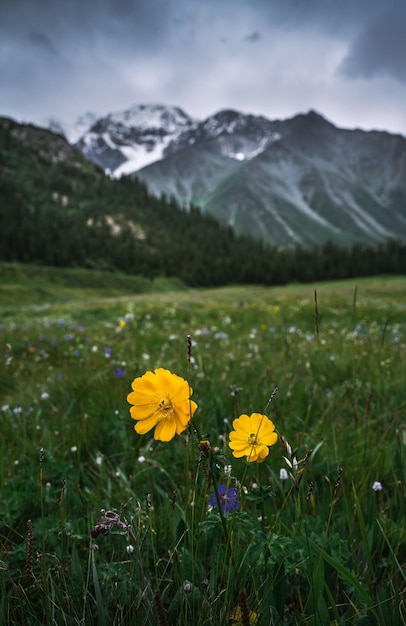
x=264, y=482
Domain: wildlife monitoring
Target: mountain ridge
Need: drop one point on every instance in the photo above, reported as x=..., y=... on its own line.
x=298, y=180
x=59, y=209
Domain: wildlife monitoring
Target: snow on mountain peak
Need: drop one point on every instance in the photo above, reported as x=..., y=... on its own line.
x=153, y=117
x=127, y=141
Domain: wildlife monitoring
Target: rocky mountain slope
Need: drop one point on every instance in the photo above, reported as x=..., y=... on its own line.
x=300, y=180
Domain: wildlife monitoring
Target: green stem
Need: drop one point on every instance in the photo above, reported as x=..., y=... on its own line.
x=218, y=501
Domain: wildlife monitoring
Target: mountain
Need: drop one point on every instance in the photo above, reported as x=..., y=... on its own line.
x=124, y=142
x=300, y=180
x=58, y=208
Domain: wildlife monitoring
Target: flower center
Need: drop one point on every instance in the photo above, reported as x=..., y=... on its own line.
x=165, y=406
x=252, y=439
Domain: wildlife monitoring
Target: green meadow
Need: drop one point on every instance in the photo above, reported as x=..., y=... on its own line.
x=100, y=525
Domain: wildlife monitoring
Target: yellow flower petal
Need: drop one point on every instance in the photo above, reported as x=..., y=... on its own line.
x=161, y=399
x=166, y=429
x=144, y=426
x=251, y=437
x=142, y=412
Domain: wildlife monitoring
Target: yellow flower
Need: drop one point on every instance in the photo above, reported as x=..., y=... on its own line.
x=161, y=399
x=252, y=436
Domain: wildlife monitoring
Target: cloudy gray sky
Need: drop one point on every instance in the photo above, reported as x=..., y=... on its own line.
x=344, y=58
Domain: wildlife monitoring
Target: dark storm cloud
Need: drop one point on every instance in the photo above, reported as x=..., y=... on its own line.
x=253, y=37
x=43, y=42
x=375, y=29
x=142, y=21
x=380, y=48
x=64, y=57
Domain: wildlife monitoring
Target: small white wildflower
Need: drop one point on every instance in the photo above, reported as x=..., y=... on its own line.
x=141, y=459
x=44, y=395
x=5, y=407
x=94, y=348
x=283, y=475
x=227, y=471
x=99, y=459
x=129, y=549
x=377, y=486
x=254, y=486
x=74, y=449
x=16, y=462
x=48, y=485
x=145, y=356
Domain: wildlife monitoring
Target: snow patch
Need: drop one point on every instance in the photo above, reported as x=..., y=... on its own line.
x=139, y=157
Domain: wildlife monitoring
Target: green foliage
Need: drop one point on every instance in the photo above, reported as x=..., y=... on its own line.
x=100, y=525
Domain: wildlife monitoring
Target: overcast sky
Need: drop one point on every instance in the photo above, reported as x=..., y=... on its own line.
x=344, y=58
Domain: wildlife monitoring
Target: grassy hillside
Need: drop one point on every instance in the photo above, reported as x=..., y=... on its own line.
x=36, y=285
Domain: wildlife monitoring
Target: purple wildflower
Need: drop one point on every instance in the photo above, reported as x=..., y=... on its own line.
x=229, y=499
x=119, y=372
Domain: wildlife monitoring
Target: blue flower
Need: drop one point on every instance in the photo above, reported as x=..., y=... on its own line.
x=119, y=372
x=229, y=499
